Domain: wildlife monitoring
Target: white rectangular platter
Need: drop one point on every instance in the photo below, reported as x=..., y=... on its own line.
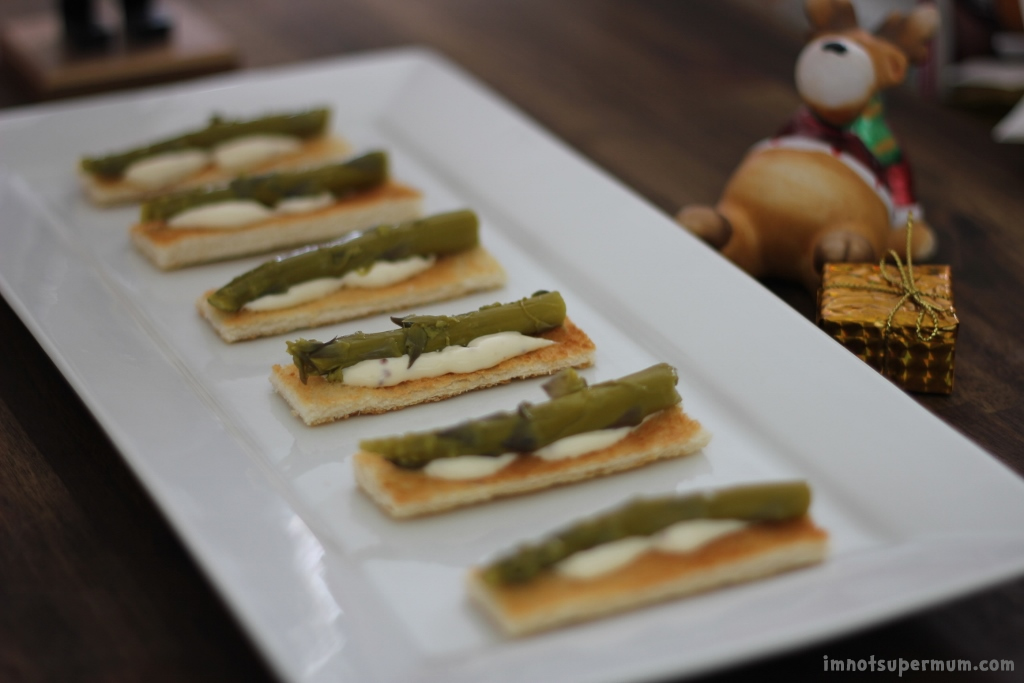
x=332, y=590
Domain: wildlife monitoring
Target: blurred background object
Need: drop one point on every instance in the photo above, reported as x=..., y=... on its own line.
x=85, y=46
x=976, y=62
x=83, y=32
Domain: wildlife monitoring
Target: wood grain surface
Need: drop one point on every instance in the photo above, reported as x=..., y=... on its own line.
x=664, y=94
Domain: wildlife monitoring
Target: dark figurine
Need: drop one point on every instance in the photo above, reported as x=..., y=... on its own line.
x=142, y=24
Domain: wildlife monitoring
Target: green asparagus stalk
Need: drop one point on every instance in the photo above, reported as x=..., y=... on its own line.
x=617, y=403
x=361, y=173
x=564, y=382
x=644, y=517
x=306, y=124
x=445, y=233
x=419, y=334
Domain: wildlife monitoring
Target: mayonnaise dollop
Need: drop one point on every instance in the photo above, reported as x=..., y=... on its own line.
x=604, y=558
x=161, y=170
x=380, y=274
x=681, y=537
x=238, y=154
x=220, y=215
x=563, y=449
x=482, y=352
x=581, y=444
x=464, y=467
x=249, y=151
x=295, y=205
x=310, y=290
x=238, y=213
x=384, y=273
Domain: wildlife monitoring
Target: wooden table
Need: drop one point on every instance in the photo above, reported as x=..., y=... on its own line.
x=666, y=95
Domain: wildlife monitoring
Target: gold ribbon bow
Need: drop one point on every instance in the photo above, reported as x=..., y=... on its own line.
x=906, y=288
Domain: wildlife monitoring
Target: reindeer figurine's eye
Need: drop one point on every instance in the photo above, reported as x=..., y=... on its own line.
x=834, y=72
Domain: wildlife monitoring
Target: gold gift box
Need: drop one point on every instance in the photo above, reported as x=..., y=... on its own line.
x=902, y=323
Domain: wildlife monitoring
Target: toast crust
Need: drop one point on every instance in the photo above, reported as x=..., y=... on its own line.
x=450, y=277
x=404, y=493
x=319, y=401
x=319, y=150
x=551, y=600
x=170, y=248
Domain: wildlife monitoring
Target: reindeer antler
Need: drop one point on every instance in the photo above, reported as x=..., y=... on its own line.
x=830, y=15
x=913, y=32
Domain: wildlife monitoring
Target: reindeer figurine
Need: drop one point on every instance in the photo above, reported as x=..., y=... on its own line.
x=833, y=185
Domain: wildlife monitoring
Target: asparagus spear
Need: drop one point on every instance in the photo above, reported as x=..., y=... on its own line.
x=617, y=403
x=303, y=125
x=419, y=334
x=644, y=517
x=564, y=382
x=445, y=233
x=361, y=173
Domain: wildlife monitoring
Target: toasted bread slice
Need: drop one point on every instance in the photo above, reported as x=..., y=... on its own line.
x=314, y=152
x=550, y=600
x=170, y=248
x=319, y=401
x=450, y=277
x=411, y=492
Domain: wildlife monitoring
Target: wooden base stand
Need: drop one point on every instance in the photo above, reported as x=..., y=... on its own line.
x=34, y=48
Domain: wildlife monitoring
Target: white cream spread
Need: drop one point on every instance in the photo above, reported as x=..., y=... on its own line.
x=294, y=205
x=681, y=537
x=380, y=274
x=238, y=154
x=161, y=170
x=238, y=213
x=581, y=444
x=249, y=151
x=219, y=215
x=569, y=447
x=482, y=352
x=310, y=290
x=468, y=466
x=602, y=559
x=384, y=273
